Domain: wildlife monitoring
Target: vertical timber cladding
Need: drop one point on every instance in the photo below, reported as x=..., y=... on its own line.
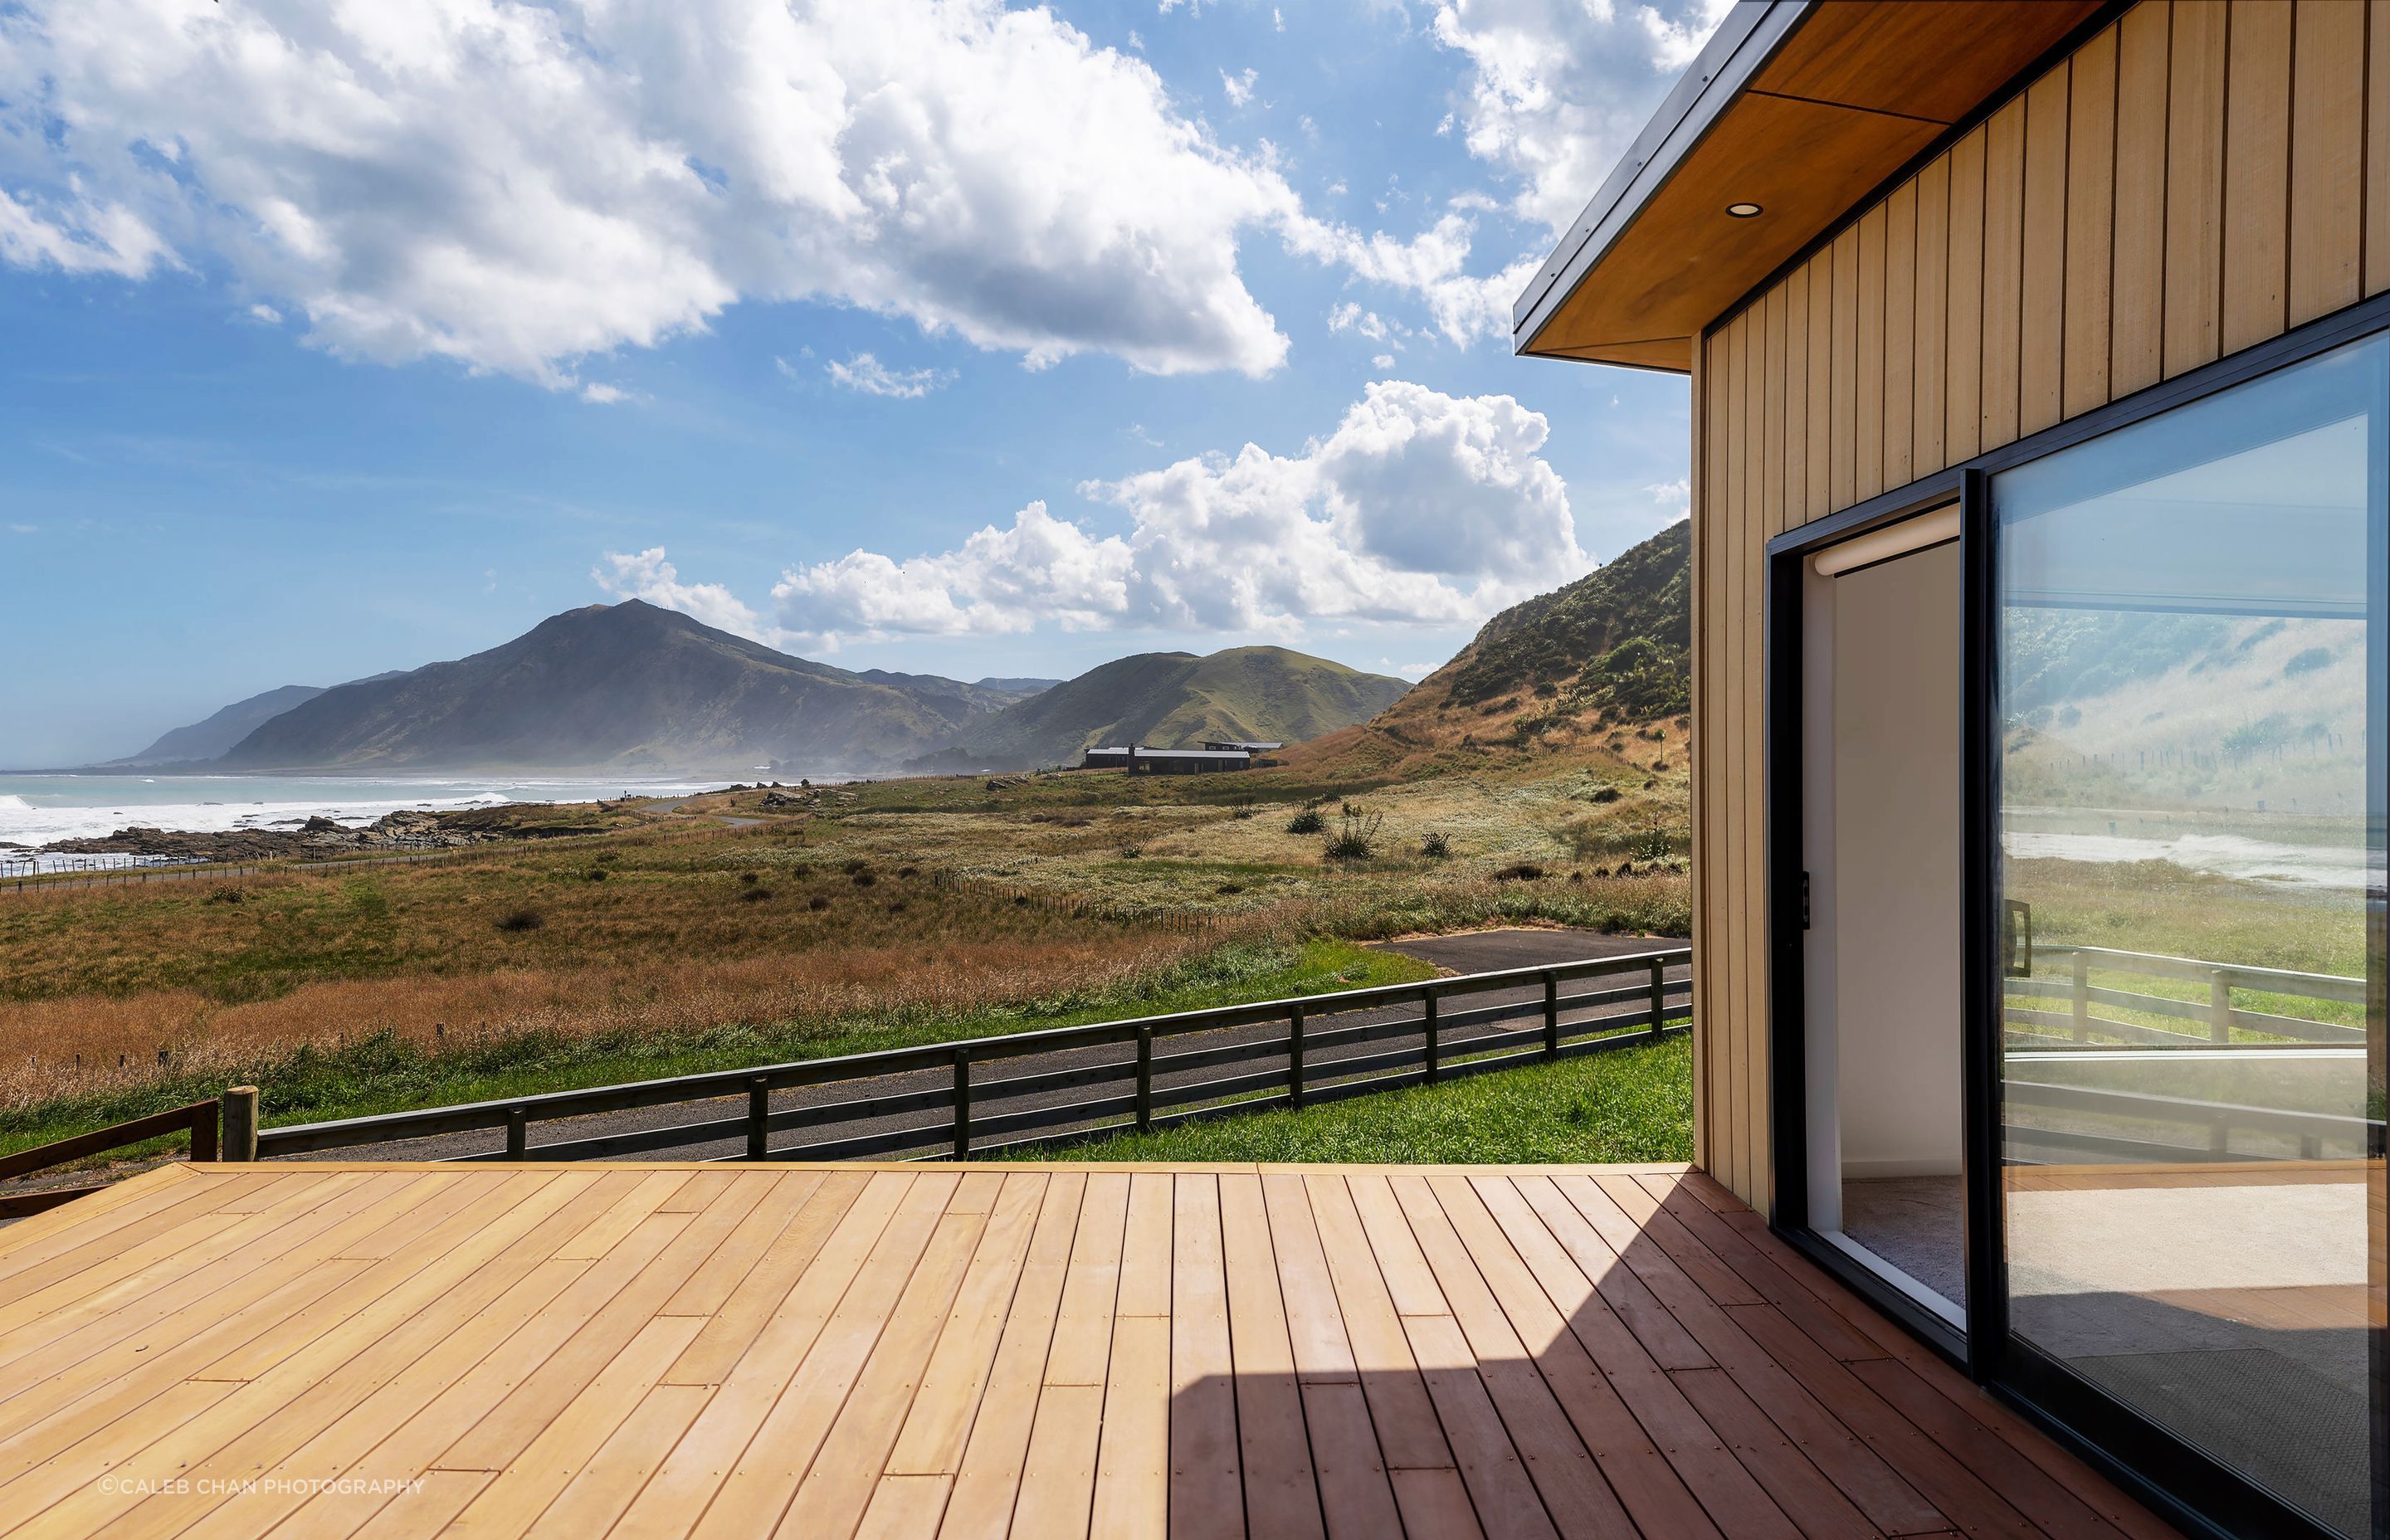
x=2197, y=177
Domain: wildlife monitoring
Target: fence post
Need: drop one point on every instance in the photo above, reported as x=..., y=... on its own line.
x=1659, y=995
x=2219, y=1006
x=1294, y=1054
x=2082, y=997
x=518, y=1132
x=1144, y=1079
x=239, y=1112
x=1551, y=1014
x=1434, y=1058
x=759, y=1118
x=962, y=1104
x=203, y=1131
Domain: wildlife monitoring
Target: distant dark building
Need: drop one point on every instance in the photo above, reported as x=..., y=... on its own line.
x=1224, y=745
x=1137, y=758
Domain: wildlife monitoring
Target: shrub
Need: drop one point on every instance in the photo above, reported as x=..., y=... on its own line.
x=865, y=879
x=1603, y=794
x=1357, y=840
x=907, y=871
x=521, y=919
x=596, y=874
x=226, y=893
x=1524, y=871
x=858, y=863
x=1436, y=846
x=818, y=902
x=1130, y=853
x=1308, y=821
x=1243, y=808
x=753, y=895
x=748, y=878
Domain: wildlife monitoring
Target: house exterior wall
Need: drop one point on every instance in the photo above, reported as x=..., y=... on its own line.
x=2198, y=178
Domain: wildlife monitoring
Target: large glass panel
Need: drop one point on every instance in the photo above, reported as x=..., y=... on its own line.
x=2191, y=679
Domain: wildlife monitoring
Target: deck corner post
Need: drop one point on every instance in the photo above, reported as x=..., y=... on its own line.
x=962, y=1104
x=1434, y=1056
x=1294, y=1054
x=2219, y=1006
x=238, y=1113
x=759, y=1118
x=1144, y=1079
x=1659, y=995
x=518, y=1132
x=1551, y=1014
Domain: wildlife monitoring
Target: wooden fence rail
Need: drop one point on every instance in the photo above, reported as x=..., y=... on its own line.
x=2217, y=1016
x=975, y=1114
x=200, y=1117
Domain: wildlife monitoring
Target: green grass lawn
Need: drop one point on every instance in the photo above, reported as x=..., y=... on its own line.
x=1627, y=1104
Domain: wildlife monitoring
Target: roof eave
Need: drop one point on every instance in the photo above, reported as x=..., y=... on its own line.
x=1742, y=45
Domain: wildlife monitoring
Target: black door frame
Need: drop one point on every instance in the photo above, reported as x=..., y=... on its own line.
x=2172, y=1477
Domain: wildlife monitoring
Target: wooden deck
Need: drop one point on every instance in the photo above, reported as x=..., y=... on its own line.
x=1039, y=1351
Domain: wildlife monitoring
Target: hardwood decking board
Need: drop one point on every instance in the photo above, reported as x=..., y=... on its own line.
x=1282, y=1490
x=990, y=1350
x=757, y=1489
x=1408, y=1435
x=931, y=1442
x=988, y=1479
x=1207, y=1492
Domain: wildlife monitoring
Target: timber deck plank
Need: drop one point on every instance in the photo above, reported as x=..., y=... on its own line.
x=1026, y=1350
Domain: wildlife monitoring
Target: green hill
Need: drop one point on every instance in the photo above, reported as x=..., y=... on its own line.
x=1619, y=637
x=624, y=687
x=1557, y=673
x=1170, y=698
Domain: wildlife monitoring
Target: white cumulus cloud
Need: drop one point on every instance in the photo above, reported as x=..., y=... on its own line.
x=1556, y=89
x=519, y=187
x=647, y=575
x=1419, y=508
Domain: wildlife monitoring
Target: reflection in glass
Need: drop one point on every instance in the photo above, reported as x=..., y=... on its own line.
x=2191, y=700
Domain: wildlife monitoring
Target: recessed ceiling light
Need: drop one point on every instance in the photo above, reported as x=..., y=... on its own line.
x=1742, y=210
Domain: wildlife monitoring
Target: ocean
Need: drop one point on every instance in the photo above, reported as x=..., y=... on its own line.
x=35, y=810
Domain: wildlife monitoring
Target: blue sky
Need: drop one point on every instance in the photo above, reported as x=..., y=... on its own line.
x=944, y=338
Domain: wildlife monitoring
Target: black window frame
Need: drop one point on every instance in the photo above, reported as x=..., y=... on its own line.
x=2173, y=1477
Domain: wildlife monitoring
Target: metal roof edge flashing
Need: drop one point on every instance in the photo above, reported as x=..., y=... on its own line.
x=1744, y=43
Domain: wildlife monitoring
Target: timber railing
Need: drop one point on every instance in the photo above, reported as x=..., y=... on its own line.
x=200, y=1117
x=953, y=1099
x=2215, y=1019
x=2138, y=1126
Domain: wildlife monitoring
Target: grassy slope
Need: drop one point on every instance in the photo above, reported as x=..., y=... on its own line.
x=1596, y=670
x=1630, y=1104
x=1172, y=699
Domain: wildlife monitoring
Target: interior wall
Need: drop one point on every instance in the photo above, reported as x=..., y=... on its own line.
x=1896, y=856
x=2195, y=179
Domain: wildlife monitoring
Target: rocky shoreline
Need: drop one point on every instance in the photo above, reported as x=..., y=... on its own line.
x=400, y=831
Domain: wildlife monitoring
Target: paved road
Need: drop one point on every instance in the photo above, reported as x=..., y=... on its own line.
x=1476, y=952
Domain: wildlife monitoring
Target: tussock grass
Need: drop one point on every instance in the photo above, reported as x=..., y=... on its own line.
x=386, y=1069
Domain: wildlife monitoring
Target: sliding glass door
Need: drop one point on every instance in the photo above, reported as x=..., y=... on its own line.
x=2189, y=627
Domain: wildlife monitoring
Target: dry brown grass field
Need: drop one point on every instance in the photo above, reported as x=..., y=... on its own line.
x=901, y=910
